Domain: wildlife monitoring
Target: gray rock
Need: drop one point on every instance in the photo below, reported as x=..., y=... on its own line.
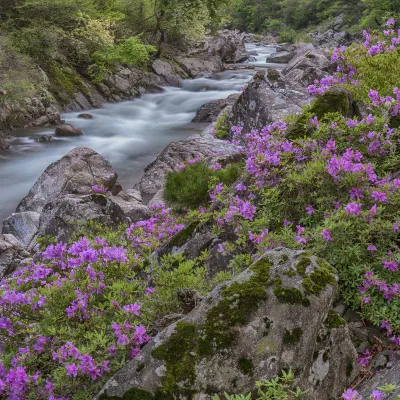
x=85, y=116
x=68, y=130
x=75, y=173
x=245, y=331
x=23, y=225
x=379, y=362
x=229, y=45
x=204, y=145
x=12, y=254
x=267, y=98
x=165, y=69
x=280, y=57
x=62, y=198
x=42, y=138
x=209, y=112
x=386, y=376
x=200, y=64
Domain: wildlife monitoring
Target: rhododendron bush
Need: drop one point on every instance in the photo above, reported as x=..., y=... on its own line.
x=79, y=311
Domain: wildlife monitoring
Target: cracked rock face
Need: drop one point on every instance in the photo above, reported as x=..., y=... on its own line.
x=12, y=254
x=63, y=196
x=275, y=315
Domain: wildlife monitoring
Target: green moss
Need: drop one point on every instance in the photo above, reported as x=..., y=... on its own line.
x=273, y=74
x=319, y=279
x=284, y=259
x=292, y=337
x=302, y=265
x=179, y=354
x=334, y=320
x=246, y=365
x=238, y=302
x=289, y=295
x=221, y=127
x=181, y=237
x=131, y=394
x=335, y=100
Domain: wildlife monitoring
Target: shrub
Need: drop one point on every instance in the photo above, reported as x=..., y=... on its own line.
x=190, y=186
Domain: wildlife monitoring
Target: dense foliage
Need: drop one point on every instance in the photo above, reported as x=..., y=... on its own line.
x=287, y=17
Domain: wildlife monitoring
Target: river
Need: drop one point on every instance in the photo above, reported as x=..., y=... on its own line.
x=130, y=134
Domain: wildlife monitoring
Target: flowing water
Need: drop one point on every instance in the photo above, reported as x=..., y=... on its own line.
x=129, y=134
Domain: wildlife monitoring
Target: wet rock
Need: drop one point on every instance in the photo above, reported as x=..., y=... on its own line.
x=280, y=57
x=228, y=45
x=68, y=130
x=85, y=116
x=12, y=254
x=249, y=329
x=204, y=145
x=42, y=138
x=209, y=112
x=200, y=64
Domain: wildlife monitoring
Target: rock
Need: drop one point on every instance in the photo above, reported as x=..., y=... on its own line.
x=386, y=376
x=42, y=138
x=202, y=145
x=260, y=322
x=85, y=116
x=41, y=121
x=229, y=45
x=200, y=64
x=62, y=217
x=23, y=225
x=165, y=69
x=209, y=112
x=75, y=173
x=307, y=64
x=63, y=197
x=12, y=254
x=280, y=57
x=267, y=98
x=68, y=130
x=287, y=47
x=379, y=362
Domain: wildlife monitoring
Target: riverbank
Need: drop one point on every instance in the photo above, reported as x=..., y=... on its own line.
x=130, y=134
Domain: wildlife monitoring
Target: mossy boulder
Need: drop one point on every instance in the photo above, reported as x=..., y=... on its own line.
x=338, y=99
x=244, y=331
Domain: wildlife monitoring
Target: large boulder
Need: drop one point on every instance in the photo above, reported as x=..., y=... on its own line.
x=280, y=57
x=275, y=315
x=267, y=98
x=68, y=130
x=307, y=64
x=200, y=64
x=165, y=70
x=12, y=254
x=204, y=145
x=229, y=45
x=62, y=198
x=209, y=112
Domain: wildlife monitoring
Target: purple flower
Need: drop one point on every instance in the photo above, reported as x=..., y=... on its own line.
x=132, y=308
x=371, y=247
x=353, y=208
x=350, y=394
x=379, y=196
x=149, y=290
x=72, y=370
x=377, y=395
x=241, y=187
x=99, y=189
x=310, y=210
x=326, y=234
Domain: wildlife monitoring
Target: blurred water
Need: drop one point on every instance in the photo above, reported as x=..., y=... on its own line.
x=129, y=134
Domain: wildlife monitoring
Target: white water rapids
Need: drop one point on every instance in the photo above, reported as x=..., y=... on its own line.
x=129, y=134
